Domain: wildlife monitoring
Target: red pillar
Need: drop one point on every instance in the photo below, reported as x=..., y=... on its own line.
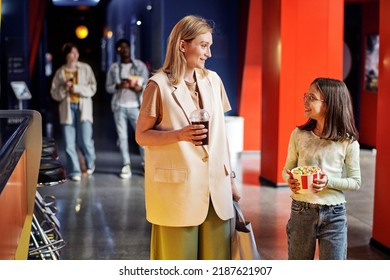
x=301, y=40
x=250, y=100
x=381, y=222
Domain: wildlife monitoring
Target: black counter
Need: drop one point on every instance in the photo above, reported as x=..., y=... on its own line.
x=13, y=127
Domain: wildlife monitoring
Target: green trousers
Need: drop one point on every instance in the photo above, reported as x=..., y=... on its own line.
x=208, y=241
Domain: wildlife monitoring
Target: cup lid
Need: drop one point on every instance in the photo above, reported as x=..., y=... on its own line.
x=199, y=115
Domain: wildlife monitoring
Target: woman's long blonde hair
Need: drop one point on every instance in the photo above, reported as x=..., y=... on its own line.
x=187, y=29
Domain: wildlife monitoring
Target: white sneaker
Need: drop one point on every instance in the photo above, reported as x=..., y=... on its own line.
x=125, y=172
x=91, y=170
x=76, y=178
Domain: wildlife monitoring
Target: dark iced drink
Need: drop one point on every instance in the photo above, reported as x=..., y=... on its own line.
x=201, y=116
x=205, y=141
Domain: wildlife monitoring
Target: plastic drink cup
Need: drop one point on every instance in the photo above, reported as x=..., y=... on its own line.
x=201, y=116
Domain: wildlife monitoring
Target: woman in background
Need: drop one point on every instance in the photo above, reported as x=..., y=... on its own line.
x=73, y=86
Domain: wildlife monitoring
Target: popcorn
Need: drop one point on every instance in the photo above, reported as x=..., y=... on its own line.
x=305, y=176
x=306, y=170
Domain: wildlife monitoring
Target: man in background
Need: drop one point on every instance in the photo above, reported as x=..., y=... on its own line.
x=126, y=80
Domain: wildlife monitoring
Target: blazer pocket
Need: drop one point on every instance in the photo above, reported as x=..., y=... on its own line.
x=169, y=175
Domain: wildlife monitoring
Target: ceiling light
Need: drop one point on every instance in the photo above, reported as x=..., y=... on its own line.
x=81, y=32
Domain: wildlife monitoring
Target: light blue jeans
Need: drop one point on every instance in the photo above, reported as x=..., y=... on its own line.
x=78, y=134
x=309, y=222
x=123, y=116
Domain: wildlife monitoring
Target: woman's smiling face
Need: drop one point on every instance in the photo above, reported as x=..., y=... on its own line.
x=198, y=50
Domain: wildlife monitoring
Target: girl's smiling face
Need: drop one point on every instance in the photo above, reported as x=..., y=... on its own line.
x=314, y=104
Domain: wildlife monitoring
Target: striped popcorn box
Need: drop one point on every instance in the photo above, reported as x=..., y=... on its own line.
x=305, y=176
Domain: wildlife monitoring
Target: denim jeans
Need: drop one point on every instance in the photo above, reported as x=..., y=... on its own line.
x=309, y=222
x=78, y=134
x=122, y=117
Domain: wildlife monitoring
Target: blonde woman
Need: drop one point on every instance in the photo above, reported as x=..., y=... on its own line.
x=188, y=187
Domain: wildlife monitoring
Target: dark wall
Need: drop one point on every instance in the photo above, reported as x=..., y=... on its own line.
x=352, y=38
x=14, y=50
x=157, y=24
x=225, y=38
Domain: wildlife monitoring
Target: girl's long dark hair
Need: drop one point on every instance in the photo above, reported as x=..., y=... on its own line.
x=339, y=119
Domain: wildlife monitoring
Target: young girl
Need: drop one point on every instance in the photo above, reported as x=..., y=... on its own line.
x=327, y=140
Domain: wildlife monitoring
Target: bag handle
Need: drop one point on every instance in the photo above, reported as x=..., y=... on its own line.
x=239, y=220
